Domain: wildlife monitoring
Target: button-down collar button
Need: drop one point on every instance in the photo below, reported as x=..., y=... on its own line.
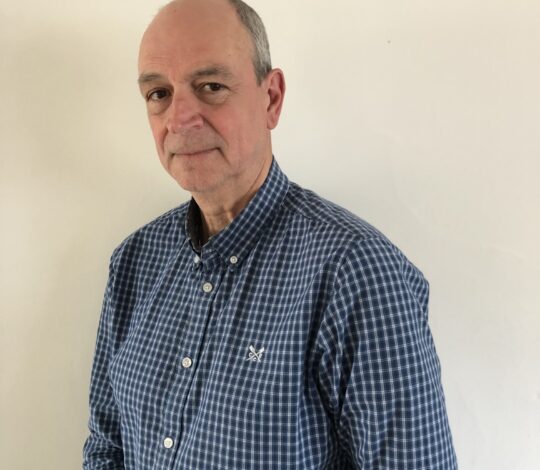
x=187, y=362
x=168, y=443
x=233, y=260
x=207, y=287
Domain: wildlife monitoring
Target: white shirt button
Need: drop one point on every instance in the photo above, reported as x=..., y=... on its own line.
x=187, y=362
x=233, y=259
x=196, y=259
x=168, y=443
x=207, y=287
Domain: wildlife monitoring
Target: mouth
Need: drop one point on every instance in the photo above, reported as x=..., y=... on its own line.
x=195, y=153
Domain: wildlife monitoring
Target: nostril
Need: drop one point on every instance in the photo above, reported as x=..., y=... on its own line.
x=184, y=121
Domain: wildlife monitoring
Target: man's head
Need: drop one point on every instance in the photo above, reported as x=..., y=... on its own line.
x=212, y=97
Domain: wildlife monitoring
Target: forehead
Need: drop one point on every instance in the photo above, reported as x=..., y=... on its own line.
x=193, y=34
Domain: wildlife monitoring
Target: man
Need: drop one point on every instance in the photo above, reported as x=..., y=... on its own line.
x=257, y=326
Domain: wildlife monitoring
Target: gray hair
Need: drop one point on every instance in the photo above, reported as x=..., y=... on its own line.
x=255, y=27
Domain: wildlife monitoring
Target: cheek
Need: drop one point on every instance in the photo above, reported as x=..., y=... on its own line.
x=253, y=119
x=158, y=132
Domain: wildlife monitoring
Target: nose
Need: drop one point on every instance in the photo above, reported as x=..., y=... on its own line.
x=183, y=114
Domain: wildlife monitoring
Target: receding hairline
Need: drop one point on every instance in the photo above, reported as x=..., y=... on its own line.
x=172, y=3
x=252, y=24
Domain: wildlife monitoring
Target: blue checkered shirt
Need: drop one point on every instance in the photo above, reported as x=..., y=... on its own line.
x=296, y=338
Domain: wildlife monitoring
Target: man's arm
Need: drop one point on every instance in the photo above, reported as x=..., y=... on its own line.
x=379, y=369
x=103, y=447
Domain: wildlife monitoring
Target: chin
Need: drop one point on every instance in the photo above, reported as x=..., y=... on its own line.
x=194, y=185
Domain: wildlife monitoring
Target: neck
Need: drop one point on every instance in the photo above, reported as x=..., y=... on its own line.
x=218, y=210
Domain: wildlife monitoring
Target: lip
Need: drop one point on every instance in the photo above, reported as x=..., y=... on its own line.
x=198, y=153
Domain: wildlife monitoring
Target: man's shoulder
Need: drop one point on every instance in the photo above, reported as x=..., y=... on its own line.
x=327, y=217
x=162, y=231
x=340, y=234
x=357, y=252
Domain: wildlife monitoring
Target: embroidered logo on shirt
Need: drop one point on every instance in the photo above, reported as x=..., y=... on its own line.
x=254, y=355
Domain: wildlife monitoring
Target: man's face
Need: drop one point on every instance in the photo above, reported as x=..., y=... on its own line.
x=208, y=115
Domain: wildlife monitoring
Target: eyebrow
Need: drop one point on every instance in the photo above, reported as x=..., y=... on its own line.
x=213, y=70
x=210, y=71
x=149, y=77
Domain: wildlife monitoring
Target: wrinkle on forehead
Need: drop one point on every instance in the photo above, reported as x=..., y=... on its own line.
x=212, y=70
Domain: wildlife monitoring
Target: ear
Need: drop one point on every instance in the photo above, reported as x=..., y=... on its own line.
x=275, y=87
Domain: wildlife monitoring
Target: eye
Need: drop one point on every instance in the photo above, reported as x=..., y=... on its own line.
x=212, y=87
x=157, y=95
x=213, y=92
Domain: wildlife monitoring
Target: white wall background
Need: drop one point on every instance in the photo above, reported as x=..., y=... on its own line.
x=420, y=116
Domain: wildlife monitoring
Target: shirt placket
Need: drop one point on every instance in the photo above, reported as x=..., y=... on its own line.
x=205, y=281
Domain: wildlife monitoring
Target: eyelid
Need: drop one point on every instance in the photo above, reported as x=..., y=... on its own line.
x=148, y=95
x=202, y=86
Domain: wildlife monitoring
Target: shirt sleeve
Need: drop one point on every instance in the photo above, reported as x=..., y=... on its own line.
x=103, y=447
x=379, y=372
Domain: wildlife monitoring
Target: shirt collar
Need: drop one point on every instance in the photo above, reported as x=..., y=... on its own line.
x=237, y=239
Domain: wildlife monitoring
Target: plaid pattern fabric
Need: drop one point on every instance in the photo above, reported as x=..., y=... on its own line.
x=297, y=338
